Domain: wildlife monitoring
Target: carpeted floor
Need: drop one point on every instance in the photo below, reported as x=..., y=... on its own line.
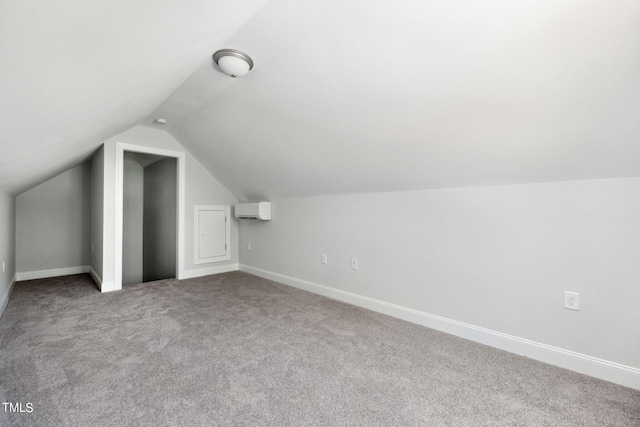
x=238, y=350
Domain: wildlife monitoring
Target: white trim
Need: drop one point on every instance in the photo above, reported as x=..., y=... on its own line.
x=196, y=234
x=108, y=287
x=606, y=370
x=56, y=272
x=121, y=147
x=190, y=274
x=5, y=300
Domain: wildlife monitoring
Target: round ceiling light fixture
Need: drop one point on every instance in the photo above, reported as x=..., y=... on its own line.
x=233, y=62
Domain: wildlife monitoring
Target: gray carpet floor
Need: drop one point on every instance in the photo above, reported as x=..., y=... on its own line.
x=237, y=350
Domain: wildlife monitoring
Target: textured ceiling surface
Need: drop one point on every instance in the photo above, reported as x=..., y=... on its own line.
x=345, y=97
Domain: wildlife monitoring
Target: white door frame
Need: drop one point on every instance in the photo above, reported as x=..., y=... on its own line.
x=121, y=147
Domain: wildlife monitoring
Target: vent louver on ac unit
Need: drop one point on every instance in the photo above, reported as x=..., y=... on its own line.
x=258, y=210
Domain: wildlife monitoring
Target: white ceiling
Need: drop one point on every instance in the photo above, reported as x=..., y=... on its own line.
x=74, y=73
x=353, y=96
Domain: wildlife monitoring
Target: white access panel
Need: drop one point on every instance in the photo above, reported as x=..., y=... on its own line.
x=212, y=229
x=212, y=242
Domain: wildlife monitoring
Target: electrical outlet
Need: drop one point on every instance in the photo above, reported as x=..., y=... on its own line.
x=248, y=246
x=354, y=263
x=572, y=300
x=323, y=258
x=4, y=266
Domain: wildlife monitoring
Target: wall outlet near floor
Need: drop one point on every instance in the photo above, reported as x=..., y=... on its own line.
x=4, y=266
x=572, y=300
x=323, y=258
x=354, y=263
x=248, y=246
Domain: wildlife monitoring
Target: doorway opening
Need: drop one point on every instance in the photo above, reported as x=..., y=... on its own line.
x=179, y=226
x=149, y=218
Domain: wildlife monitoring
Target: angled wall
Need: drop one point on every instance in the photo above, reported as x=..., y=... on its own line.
x=53, y=226
x=7, y=247
x=133, y=222
x=159, y=236
x=97, y=214
x=488, y=263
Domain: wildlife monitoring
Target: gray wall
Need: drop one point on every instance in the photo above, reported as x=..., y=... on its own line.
x=204, y=189
x=132, y=221
x=7, y=246
x=201, y=188
x=495, y=257
x=97, y=205
x=53, y=222
x=160, y=203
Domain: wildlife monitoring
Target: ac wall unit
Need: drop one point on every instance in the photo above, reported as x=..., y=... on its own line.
x=257, y=210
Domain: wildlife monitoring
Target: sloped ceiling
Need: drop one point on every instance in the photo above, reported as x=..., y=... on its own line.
x=74, y=73
x=345, y=96
x=373, y=95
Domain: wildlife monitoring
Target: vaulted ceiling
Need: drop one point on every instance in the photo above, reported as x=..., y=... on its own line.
x=74, y=73
x=354, y=96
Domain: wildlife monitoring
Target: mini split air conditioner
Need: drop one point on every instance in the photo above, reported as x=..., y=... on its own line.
x=258, y=210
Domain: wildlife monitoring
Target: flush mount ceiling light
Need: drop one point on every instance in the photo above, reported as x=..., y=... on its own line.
x=233, y=62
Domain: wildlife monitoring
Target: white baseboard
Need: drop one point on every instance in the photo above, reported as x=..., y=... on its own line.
x=609, y=371
x=108, y=287
x=56, y=272
x=5, y=298
x=190, y=274
x=96, y=277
